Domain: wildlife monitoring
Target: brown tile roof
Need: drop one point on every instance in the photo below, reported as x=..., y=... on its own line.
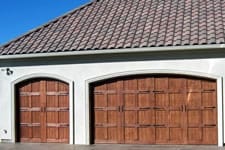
x=118, y=24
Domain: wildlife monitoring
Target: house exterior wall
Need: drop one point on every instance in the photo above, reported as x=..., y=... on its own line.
x=79, y=73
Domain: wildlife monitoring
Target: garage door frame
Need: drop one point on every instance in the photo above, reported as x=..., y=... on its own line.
x=50, y=76
x=218, y=79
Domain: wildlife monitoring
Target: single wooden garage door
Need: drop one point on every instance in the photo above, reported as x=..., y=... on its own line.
x=42, y=111
x=162, y=109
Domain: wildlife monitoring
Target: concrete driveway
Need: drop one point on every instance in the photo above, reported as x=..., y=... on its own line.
x=19, y=146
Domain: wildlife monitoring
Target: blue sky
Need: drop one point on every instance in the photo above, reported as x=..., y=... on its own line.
x=20, y=16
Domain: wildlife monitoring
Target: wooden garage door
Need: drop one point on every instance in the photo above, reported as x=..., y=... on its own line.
x=43, y=111
x=155, y=110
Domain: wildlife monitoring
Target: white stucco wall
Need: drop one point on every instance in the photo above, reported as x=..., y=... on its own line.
x=82, y=73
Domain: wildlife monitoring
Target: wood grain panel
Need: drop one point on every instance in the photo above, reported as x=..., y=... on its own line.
x=164, y=109
x=43, y=108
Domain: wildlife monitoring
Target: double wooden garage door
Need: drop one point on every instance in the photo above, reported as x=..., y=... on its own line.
x=155, y=110
x=42, y=111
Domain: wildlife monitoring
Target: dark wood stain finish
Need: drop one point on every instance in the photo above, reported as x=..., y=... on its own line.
x=155, y=110
x=43, y=111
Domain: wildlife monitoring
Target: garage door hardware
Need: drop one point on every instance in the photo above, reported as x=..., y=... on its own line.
x=57, y=124
x=57, y=93
x=30, y=108
x=30, y=124
x=29, y=93
x=105, y=125
x=209, y=125
x=208, y=90
x=153, y=125
x=57, y=109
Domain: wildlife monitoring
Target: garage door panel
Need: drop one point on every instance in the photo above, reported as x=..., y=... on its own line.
x=146, y=117
x=113, y=133
x=51, y=86
x=35, y=86
x=146, y=99
x=130, y=84
x=30, y=132
x=51, y=117
x=208, y=85
x=193, y=84
x=35, y=100
x=36, y=117
x=25, y=116
x=130, y=117
x=194, y=117
x=112, y=100
x=101, y=133
x=131, y=135
x=162, y=135
x=145, y=84
x=209, y=116
x=194, y=135
x=130, y=100
x=25, y=131
x=24, y=101
x=36, y=132
x=164, y=109
x=161, y=84
x=176, y=84
x=100, y=87
x=112, y=117
x=63, y=117
x=42, y=117
x=52, y=101
x=100, y=116
x=176, y=100
x=112, y=86
x=208, y=99
x=63, y=133
x=194, y=99
x=209, y=135
x=63, y=101
x=63, y=87
x=143, y=100
x=161, y=100
x=52, y=132
x=161, y=117
x=25, y=88
x=175, y=118
x=176, y=135
x=100, y=100
x=147, y=135
x=57, y=134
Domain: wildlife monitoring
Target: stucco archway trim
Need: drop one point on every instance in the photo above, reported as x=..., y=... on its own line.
x=43, y=75
x=174, y=72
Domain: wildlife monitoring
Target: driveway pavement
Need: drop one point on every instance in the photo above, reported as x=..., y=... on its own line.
x=4, y=146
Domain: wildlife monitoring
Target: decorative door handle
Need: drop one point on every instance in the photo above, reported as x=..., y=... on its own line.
x=121, y=108
x=43, y=109
x=184, y=108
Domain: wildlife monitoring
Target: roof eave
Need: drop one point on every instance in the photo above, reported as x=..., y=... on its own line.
x=115, y=51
